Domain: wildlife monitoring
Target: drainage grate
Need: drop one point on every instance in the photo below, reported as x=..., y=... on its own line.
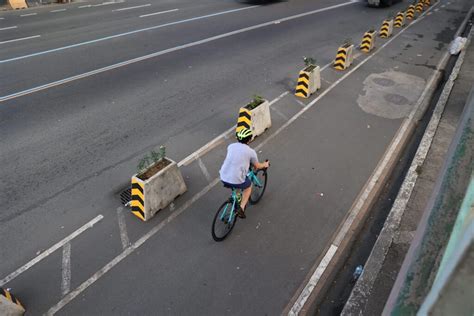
x=126, y=196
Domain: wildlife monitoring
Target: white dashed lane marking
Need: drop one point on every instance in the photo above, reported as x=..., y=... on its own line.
x=157, y=13
x=20, y=39
x=134, y=7
x=8, y=28
x=66, y=269
x=49, y=251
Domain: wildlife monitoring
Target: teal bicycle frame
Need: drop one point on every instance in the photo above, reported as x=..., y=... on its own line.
x=236, y=196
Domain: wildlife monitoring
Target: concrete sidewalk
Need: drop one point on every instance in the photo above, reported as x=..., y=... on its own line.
x=387, y=256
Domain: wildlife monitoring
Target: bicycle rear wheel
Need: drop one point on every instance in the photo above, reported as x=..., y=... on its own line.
x=259, y=184
x=224, y=221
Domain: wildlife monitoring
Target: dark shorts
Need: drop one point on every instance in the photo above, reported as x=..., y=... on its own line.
x=241, y=186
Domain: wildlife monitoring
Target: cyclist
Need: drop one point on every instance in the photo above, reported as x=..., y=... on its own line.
x=236, y=165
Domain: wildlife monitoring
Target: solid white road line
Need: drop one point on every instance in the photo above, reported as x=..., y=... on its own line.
x=106, y=3
x=123, y=228
x=159, y=53
x=49, y=251
x=315, y=278
x=66, y=269
x=184, y=21
x=85, y=6
x=218, y=140
x=81, y=288
x=204, y=170
x=127, y=251
x=306, y=292
x=300, y=103
x=2, y=18
x=20, y=39
x=125, y=34
x=313, y=281
x=156, y=13
x=279, y=113
x=135, y=7
x=59, y=10
x=29, y=14
x=8, y=28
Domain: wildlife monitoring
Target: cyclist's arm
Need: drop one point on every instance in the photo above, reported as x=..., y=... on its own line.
x=261, y=165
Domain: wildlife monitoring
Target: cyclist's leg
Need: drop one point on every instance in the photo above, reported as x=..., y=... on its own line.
x=245, y=197
x=246, y=192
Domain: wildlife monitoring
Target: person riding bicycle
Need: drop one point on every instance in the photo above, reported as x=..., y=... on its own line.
x=236, y=165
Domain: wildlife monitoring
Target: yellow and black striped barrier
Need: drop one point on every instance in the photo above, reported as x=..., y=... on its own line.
x=138, y=199
x=427, y=2
x=12, y=305
x=400, y=19
x=386, y=29
x=419, y=6
x=244, y=120
x=343, y=57
x=302, y=87
x=368, y=41
x=410, y=13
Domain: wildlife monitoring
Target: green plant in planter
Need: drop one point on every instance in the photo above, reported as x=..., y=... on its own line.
x=150, y=159
x=143, y=164
x=309, y=61
x=256, y=101
x=348, y=42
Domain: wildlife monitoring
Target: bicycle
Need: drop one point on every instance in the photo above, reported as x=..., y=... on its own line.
x=226, y=215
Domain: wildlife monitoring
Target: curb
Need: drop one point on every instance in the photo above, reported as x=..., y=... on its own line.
x=309, y=294
x=363, y=288
x=355, y=219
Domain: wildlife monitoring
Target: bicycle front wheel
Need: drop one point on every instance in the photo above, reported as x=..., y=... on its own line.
x=224, y=221
x=259, y=184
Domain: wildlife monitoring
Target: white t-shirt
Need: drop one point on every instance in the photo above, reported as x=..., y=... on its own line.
x=237, y=163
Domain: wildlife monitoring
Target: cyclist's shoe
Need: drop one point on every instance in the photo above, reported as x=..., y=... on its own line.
x=241, y=212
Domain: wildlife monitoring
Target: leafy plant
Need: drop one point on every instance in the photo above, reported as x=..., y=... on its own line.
x=256, y=101
x=308, y=61
x=150, y=159
x=143, y=164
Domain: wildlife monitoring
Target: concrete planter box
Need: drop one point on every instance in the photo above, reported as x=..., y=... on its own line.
x=10, y=305
x=154, y=194
x=309, y=81
x=314, y=78
x=388, y=30
x=368, y=41
x=400, y=19
x=260, y=118
x=344, y=57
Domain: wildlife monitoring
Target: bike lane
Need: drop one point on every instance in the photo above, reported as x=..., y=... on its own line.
x=319, y=165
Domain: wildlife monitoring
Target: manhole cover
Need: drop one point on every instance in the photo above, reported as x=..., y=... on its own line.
x=384, y=82
x=396, y=99
x=126, y=196
x=390, y=94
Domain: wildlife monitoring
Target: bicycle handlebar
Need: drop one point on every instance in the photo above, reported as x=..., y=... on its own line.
x=266, y=160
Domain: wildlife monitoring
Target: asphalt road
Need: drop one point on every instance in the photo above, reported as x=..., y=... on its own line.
x=78, y=110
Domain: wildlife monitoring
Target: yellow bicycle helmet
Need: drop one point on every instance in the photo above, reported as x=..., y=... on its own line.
x=244, y=133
